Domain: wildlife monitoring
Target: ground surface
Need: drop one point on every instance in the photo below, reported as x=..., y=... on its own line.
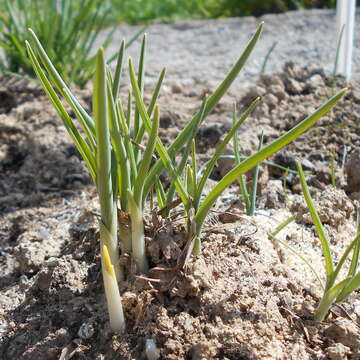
x=245, y=297
x=202, y=51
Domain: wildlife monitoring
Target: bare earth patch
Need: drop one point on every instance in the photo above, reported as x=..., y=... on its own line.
x=245, y=297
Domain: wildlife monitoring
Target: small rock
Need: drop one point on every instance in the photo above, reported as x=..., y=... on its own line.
x=315, y=82
x=308, y=165
x=271, y=101
x=86, y=331
x=43, y=233
x=353, y=171
x=43, y=278
x=151, y=351
x=333, y=207
x=278, y=91
x=344, y=331
x=208, y=137
x=168, y=119
x=337, y=351
x=293, y=87
x=176, y=88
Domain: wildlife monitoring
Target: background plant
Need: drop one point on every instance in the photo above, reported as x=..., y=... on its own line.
x=140, y=11
x=67, y=29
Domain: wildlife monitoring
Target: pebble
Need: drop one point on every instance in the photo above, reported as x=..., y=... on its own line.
x=315, y=82
x=86, y=331
x=352, y=170
x=344, y=331
x=308, y=165
x=293, y=86
x=151, y=351
x=278, y=91
x=23, y=282
x=337, y=351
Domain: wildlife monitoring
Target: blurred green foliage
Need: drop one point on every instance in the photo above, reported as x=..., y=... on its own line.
x=140, y=11
x=66, y=28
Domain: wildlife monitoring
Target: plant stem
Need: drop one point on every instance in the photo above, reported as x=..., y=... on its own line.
x=108, y=225
x=125, y=232
x=197, y=246
x=267, y=56
x=255, y=180
x=113, y=299
x=137, y=232
x=328, y=299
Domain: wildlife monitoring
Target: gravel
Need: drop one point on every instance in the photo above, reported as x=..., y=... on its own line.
x=202, y=51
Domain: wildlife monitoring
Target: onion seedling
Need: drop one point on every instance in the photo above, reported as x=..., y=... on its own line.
x=108, y=152
x=120, y=166
x=123, y=169
x=334, y=291
x=249, y=199
x=202, y=208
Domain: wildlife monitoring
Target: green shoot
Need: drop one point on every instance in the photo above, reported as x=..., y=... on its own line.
x=272, y=236
x=267, y=57
x=255, y=180
x=332, y=168
x=108, y=226
x=126, y=171
x=216, y=96
x=117, y=321
x=336, y=62
x=249, y=199
x=108, y=150
x=258, y=157
x=334, y=292
x=121, y=167
x=242, y=178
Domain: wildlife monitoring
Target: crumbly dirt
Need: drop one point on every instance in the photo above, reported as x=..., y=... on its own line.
x=245, y=297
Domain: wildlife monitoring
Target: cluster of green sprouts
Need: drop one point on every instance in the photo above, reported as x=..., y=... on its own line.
x=334, y=291
x=67, y=30
x=126, y=165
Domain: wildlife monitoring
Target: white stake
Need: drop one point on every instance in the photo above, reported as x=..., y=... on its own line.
x=345, y=16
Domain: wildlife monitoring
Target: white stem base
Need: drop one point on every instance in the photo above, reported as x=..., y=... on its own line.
x=113, y=298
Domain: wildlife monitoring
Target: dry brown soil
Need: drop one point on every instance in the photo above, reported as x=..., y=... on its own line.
x=244, y=298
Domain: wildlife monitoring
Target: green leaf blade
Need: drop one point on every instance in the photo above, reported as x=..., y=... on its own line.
x=261, y=155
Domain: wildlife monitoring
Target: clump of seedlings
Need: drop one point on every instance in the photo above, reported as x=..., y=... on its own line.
x=126, y=165
x=67, y=29
x=334, y=290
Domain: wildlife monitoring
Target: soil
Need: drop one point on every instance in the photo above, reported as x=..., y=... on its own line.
x=245, y=297
x=201, y=52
